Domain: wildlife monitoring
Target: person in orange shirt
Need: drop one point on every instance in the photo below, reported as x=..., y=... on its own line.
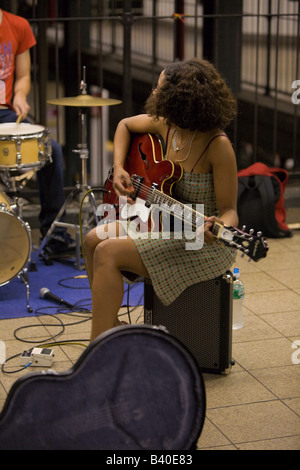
x=16, y=40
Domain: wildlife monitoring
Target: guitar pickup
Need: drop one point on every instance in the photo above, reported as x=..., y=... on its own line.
x=150, y=196
x=137, y=182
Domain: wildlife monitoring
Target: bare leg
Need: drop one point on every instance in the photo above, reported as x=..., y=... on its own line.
x=96, y=236
x=105, y=261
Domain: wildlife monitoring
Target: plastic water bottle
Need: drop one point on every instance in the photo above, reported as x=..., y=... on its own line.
x=237, y=303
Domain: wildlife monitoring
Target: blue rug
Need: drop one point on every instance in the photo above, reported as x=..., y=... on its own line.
x=62, y=279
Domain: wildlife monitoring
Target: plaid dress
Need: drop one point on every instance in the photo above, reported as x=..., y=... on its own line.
x=173, y=268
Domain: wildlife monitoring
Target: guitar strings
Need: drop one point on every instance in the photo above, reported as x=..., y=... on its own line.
x=145, y=190
x=149, y=193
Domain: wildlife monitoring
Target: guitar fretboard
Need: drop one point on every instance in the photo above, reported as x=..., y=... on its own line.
x=165, y=203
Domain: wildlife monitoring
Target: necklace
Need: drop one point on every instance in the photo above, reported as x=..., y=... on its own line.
x=174, y=141
x=177, y=149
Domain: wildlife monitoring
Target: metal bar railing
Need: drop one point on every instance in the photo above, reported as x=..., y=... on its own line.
x=143, y=39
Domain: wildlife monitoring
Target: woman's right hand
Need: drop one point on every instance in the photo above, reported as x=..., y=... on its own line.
x=122, y=184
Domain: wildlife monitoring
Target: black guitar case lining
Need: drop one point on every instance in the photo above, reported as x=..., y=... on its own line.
x=135, y=387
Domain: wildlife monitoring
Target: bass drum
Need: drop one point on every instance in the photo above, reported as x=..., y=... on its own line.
x=135, y=387
x=15, y=242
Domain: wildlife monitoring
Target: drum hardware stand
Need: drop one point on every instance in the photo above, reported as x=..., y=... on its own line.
x=80, y=188
x=22, y=180
x=24, y=277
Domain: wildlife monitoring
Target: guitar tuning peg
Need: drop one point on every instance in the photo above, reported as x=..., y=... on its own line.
x=244, y=228
x=251, y=231
x=259, y=234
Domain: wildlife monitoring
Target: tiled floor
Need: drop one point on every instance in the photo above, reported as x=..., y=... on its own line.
x=256, y=406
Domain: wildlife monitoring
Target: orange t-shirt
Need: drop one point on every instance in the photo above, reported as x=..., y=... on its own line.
x=16, y=37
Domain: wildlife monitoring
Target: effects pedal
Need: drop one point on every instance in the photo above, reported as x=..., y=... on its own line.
x=40, y=357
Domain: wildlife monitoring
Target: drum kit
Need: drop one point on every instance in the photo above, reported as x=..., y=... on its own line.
x=24, y=149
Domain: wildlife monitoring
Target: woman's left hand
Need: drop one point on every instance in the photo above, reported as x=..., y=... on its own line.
x=209, y=238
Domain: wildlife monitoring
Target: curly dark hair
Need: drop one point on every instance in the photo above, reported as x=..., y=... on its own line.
x=193, y=96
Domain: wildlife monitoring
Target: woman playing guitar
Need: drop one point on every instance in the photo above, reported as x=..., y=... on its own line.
x=190, y=108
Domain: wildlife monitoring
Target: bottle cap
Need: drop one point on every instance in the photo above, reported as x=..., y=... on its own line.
x=236, y=273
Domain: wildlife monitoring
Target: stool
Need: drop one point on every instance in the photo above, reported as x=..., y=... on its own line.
x=201, y=318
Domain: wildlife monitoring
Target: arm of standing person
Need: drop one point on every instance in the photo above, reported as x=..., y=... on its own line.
x=22, y=84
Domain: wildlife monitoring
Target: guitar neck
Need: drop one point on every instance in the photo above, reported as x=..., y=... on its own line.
x=178, y=209
x=190, y=216
x=195, y=219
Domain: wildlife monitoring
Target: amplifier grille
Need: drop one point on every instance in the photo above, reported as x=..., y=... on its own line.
x=196, y=318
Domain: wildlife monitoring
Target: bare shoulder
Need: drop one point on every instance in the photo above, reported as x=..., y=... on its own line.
x=221, y=151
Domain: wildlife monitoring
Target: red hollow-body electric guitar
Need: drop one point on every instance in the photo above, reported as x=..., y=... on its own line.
x=153, y=178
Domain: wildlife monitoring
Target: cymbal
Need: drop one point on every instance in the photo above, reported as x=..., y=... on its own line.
x=83, y=101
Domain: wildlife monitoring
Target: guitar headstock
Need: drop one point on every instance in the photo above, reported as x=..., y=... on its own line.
x=253, y=245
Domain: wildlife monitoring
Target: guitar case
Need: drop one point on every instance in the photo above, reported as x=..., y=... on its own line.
x=135, y=387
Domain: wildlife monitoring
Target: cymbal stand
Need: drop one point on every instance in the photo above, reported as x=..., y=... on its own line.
x=80, y=188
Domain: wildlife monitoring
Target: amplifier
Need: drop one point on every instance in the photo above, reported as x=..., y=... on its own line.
x=200, y=318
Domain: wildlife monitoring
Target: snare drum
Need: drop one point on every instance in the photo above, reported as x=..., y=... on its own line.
x=15, y=242
x=23, y=146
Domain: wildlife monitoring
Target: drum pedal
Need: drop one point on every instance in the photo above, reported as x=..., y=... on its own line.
x=46, y=257
x=40, y=357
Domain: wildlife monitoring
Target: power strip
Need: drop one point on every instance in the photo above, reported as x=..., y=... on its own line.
x=40, y=357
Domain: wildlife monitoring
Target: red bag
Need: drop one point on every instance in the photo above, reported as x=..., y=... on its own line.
x=246, y=178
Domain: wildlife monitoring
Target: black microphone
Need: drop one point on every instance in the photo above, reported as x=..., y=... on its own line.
x=46, y=294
